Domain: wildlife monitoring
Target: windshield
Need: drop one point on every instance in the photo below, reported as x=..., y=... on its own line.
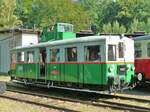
x=65, y=28
x=111, y=52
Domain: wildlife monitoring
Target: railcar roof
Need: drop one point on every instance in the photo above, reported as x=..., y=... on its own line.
x=69, y=41
x=145, y=37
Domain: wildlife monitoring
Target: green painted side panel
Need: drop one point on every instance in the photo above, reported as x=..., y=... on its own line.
x=126, y=77
x=81, y=73
x=27, y=70
x=62, y=76
x=66, y=35
x=94, y=73
x=71, y=72
x=20, y=70
x=53, y=72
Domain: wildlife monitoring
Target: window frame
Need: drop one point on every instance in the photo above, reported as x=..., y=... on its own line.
x=115, y=57
x=34, y=54
x=138, y=50
x=22, y=57
x=50, y=51
x=66, y=54
x=148, y=48
x=85, y=52
x=123, y=48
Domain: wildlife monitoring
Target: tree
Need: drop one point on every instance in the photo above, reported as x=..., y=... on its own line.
x=23, y=10
x=137, y=26
x=115, y=28
x=140, y=26
x=7, y=17
x=107, y=28
x=50, y=12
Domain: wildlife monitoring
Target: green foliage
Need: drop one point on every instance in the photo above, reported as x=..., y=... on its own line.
x=107, y=28
x=140, y=26
x=114, y=28
x=48, y=12
x=108, y=15
x=7, y=17
x=24, y=8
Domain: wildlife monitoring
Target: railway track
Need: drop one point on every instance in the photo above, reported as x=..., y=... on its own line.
x=98, y=103
x=37, y=104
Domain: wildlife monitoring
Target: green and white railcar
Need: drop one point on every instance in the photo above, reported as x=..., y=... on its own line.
x=94, y=62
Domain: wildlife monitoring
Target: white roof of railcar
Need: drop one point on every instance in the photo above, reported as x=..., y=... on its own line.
x=69, y=41
x=145, y=37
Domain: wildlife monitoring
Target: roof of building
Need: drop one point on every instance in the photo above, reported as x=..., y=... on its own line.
x=30, y=31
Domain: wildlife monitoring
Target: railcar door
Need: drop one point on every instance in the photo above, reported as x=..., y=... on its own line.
x=42, y=62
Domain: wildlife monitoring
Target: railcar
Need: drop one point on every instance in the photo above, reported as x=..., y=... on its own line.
x=142, y=58
x=93, y=62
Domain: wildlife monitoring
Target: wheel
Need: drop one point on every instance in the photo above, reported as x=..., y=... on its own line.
x=140, y=77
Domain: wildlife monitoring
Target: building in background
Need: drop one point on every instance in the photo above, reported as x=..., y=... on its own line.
x=12, y=38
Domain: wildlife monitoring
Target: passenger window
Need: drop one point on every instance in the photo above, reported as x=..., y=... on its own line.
x=111, y=52
x=71, y=54
x=20, y=57
x=54, y=55
x=92, y=53
x=30, y=56
x=138, y=50
x=148, y=49
x=121, y=49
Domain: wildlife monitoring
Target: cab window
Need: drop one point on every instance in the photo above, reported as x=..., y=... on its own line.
x=20, y=57
x=138, y=50
x=111, y=52
x=30, y=56
x=54, y=55
x=121, y=49
x=92, y=53
x=148, y=49
x=71, y=54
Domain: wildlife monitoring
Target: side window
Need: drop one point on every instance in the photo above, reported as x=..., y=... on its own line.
x=138, y=50
x=148, y=49
x=71, y=54
x=92, y=53
x=13, y=58
x=30, y=56
x=54, y=55
x=20, y=57
x=111, y=52
x=121, y=49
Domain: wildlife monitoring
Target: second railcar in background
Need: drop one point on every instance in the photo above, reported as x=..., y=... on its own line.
x=142, y=58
